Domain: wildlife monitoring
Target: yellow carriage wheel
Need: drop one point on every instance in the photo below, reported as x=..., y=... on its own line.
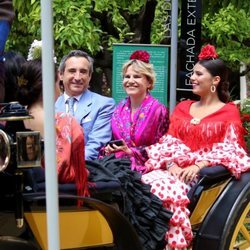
x=241, y=236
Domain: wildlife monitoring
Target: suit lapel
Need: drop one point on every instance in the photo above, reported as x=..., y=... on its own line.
x=84, y=105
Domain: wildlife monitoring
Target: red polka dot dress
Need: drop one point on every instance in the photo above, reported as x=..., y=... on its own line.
x=217, y=139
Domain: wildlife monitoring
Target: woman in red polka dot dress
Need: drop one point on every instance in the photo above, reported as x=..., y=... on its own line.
x=202, y=133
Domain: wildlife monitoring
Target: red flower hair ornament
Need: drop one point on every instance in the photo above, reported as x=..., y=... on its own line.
x=207, y=53
x=141, y=55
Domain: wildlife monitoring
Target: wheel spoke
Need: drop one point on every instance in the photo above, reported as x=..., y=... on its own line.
x=241, y=236
x=245, y=233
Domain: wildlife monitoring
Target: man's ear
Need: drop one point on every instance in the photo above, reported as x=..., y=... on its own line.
x=60, y=75
x=90, y=77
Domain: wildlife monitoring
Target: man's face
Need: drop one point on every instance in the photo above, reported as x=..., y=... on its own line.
x=31, y=148
x=76, y=76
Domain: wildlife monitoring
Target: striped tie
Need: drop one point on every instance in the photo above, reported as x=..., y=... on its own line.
x=71, y=102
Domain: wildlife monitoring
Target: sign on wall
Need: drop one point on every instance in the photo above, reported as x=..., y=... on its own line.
x=159, y=57
x=190, y=43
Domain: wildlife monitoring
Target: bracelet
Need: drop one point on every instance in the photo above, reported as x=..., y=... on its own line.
x=197, y=166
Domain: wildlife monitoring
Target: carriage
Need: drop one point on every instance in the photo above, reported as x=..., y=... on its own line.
x=219, y=206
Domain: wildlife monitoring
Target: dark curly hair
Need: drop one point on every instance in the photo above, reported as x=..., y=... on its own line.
x=217, y=67
x=31, y=91
x=12, y=67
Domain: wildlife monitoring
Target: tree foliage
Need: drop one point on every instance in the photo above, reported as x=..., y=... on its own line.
x=212, y=6
x=94, y=25
x=229, y=30
x=90, y=25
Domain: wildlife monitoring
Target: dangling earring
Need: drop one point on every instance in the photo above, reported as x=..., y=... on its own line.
x=213, y=88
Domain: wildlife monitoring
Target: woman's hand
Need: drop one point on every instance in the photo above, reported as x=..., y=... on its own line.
x=175, y=170
x=189, y=173
x=114, y=148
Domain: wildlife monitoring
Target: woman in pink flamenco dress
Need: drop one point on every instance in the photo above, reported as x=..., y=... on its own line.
x=139, y=120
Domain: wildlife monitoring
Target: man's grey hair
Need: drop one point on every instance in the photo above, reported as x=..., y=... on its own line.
x=76, y=53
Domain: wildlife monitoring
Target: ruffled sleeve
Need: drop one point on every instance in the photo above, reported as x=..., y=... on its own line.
x=228, y=153
x=218, y=139
x=168, y=149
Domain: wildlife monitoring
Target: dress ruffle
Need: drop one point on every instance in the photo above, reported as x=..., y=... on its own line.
x=143, y=209
x=173, y=193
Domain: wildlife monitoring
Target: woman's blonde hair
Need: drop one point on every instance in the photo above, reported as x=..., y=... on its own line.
x=143, y=68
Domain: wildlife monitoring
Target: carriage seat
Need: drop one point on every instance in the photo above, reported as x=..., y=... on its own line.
x=208, y=176
x=35, y=183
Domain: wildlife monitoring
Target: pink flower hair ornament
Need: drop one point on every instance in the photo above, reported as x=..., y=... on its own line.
x=208, y=52
x=141, y=55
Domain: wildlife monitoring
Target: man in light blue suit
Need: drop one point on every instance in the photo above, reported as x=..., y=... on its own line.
x=93, y=111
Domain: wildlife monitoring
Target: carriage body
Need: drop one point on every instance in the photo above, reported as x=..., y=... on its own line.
x=219, y=210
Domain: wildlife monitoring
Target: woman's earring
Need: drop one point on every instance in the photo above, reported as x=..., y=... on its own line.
x=213, y=88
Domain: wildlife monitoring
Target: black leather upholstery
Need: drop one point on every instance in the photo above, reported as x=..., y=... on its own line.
x=15, y=243
x=207, y=177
